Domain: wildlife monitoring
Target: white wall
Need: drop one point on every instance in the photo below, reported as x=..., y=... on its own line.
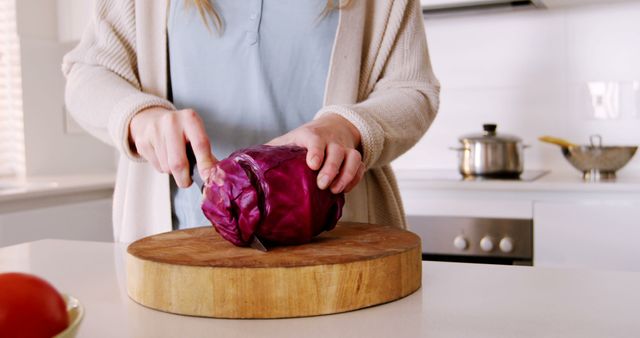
x=73, y=17
x=527, y=71
x=53, y=145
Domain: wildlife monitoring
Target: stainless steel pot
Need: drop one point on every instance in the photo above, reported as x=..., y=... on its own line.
x=490, y=154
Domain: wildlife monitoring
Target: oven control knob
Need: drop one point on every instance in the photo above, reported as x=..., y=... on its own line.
x=486, y=244
x=460, y=242
x=506, y=245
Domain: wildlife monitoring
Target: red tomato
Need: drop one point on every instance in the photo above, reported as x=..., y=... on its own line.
x=30, y=307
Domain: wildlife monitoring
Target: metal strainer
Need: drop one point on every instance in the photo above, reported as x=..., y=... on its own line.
x=596, y=161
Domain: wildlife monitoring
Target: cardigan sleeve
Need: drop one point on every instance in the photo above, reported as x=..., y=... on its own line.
x=403, y=101
x=103, y=91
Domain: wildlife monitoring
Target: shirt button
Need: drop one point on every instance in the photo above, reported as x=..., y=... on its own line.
x=252, y=38
x=253, y=16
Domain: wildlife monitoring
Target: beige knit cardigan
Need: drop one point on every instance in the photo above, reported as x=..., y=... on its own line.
x=380, y=79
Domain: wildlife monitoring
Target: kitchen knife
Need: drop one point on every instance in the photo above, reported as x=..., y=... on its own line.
x=193, y=172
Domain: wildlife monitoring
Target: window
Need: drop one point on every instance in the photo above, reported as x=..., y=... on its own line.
x=12, y=152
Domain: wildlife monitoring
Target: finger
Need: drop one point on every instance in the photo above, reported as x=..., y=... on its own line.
x=357, y=179
x=161, y=155
x=145, y=149
x=177, y=157
x=196, y=135
x=331, y=167
x=160, y=152
x=315, y=151
x=348, y=171
x=278, y=141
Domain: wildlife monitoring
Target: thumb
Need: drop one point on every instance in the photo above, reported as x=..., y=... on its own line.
x=205, y=165
x=275, y=142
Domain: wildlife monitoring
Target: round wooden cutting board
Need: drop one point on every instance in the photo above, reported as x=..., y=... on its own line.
x=197, y=272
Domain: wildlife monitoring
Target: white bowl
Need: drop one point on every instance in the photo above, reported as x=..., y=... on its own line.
x=76, y=313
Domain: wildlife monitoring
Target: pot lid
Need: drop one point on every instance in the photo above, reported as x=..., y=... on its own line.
x=489, y=136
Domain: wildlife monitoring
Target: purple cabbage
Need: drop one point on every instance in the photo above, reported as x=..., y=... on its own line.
x=270, y=193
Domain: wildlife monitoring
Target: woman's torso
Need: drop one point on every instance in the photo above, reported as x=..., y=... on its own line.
x=262, y=76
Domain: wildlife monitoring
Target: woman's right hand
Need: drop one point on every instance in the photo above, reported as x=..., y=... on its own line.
x=161, y=136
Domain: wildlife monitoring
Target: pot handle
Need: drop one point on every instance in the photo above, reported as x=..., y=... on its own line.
x=596, y=141
x=525, y=146
x=456, y=149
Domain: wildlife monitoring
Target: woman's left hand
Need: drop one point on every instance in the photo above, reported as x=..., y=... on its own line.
x=331, y=142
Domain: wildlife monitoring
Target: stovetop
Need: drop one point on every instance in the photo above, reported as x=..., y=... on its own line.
x=526, y=176
x=454, y=175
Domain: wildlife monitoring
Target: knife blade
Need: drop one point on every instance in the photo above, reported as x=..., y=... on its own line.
x=193, y=172
x=256, y=244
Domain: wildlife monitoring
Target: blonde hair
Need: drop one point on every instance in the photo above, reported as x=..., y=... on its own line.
x=210, y=16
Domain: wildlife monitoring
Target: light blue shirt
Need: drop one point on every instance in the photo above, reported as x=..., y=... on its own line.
x=263, y=76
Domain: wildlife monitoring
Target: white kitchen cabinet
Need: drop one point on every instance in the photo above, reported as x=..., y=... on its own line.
x=88, y=221
x=587, y=234
x=73, y=207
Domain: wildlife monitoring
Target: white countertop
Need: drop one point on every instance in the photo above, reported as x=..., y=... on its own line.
x=626, y=182
x=456, y=300
x=22, y=188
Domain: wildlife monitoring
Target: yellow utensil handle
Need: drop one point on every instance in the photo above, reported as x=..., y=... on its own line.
x=556, y=141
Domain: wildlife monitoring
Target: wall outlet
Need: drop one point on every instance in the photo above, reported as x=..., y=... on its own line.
x=614, y=100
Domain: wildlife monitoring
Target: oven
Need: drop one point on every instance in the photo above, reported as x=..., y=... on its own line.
x=475, y=240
